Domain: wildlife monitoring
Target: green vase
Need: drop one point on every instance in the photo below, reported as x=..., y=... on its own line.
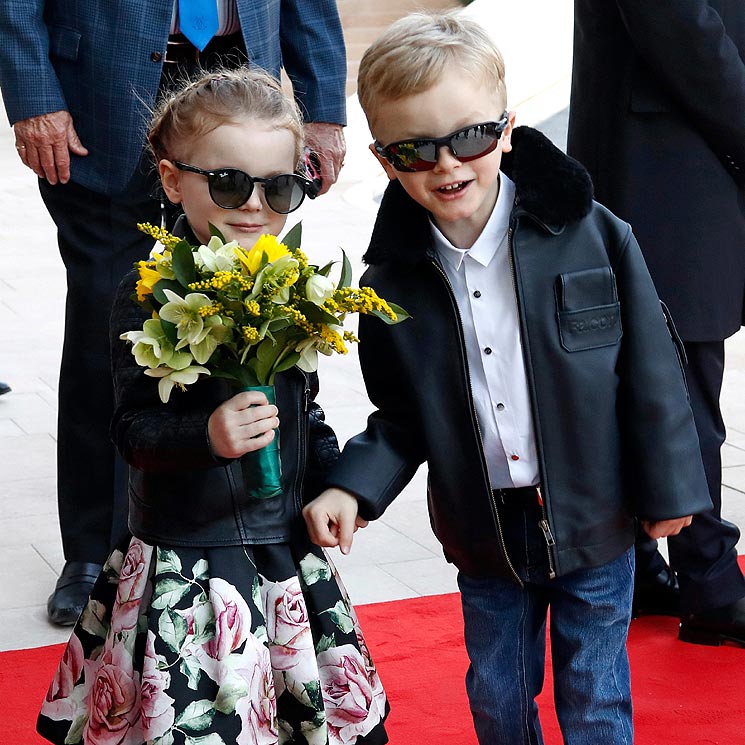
x=262, y=469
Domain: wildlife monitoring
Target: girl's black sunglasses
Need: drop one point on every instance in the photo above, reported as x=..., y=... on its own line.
x=420, y=154
x=231, y=188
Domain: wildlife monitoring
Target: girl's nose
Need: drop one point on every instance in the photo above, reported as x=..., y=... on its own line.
x=254, y=202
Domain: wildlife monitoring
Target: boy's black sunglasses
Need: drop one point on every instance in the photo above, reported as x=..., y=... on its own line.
x=421, y=154
x=231, y=188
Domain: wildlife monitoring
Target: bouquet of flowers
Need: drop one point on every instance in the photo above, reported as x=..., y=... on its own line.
x=245, y=315
x=242, y=314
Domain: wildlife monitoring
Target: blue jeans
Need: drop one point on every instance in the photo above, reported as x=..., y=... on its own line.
x=505, y=633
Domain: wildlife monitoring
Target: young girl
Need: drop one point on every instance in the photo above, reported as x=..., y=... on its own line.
x=218, y=622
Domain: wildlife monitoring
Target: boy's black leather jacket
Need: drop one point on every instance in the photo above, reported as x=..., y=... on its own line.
x=180, y=494
x=616, y=437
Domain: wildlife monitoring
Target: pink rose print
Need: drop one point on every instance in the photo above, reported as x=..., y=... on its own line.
x=133, y=580
x=257, y=710
x=157, y=706
x=287, y=623
x=59, y=702
x=347, y=693
x=232, y=619
x=114, y=702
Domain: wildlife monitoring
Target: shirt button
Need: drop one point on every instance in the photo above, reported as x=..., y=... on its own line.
x=156, y=57
x=487, y=350
x=515, y=457
x=500, y=407
x=477, y=293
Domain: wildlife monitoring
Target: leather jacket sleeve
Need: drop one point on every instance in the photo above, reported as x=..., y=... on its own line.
x=667, y=481
x=323, y=452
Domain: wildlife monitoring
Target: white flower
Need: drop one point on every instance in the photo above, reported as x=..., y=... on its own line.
x=152, y=348
x=170, y=377
x=184, y=313
x=318, y=289
x=308, y=361
x=216, y=256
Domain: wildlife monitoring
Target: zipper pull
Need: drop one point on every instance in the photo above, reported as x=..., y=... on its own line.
x=550, y=542
x=306, y=398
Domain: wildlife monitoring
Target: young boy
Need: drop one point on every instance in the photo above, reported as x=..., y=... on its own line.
x=537, y=377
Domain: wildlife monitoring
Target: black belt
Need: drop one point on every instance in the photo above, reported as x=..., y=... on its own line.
x=180, y=51
x=519, y=495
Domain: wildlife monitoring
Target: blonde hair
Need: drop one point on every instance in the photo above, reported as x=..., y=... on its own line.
x=414, y=52
x=220, y=97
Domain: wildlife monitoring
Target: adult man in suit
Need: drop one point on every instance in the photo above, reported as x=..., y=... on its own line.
x=77, y=81
x=658, y=117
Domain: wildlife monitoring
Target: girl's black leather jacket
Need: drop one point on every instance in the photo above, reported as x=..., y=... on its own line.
x=180, y=494
x=615, y=434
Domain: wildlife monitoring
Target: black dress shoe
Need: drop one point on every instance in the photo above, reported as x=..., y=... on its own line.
x=656, y=595
x=715, y=626
x=71, y=592
x=4, y=388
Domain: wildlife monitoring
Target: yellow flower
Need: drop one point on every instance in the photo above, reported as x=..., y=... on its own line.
x=148, y=279
x=267, y=244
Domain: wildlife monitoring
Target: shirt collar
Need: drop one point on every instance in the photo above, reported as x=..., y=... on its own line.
x=492, y=236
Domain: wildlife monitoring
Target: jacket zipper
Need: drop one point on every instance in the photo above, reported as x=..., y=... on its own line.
x=475, y=419
x=302, y=442
x=543, y=523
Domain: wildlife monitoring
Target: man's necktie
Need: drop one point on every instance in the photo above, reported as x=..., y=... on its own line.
x=198, y=21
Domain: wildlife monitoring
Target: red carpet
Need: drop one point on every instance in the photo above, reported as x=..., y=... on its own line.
x=683, y=693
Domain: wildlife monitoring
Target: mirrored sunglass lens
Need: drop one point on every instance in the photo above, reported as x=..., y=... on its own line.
x=284, y=193
x=474, y=141
x=231, y=189
x=412, y=155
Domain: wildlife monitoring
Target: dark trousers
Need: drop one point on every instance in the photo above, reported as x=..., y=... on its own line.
x=704, y=555
x=99, y=243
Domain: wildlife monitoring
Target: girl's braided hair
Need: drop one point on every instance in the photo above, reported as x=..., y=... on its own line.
x=219, y=97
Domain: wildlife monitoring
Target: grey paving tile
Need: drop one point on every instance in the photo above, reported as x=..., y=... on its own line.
x=371, y=584
x=25, y=578
x=24, y=458
x=426, y=576
x=23, y=628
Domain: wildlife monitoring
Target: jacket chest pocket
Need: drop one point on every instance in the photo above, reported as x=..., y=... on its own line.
x=588, y=310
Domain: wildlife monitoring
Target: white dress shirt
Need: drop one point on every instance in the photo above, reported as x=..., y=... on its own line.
x=227, y=18
x=484, y=291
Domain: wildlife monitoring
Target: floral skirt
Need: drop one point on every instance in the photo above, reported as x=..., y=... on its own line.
x=253, y=645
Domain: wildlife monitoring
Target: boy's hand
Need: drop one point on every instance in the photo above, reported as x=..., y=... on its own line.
x=332, y=519
x=664, y=528
x=243, y=423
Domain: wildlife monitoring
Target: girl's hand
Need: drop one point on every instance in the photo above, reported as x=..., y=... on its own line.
x=664, y=528
x=243, y=423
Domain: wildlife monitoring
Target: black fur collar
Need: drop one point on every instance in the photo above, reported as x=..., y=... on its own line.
x=551, y=187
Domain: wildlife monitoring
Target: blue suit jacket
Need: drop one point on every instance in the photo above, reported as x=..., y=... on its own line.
x=102, y=59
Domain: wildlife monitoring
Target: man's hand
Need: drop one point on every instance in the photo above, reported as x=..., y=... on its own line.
x=664, y=528
x=242, y=424
x=332, y=519
x=327, y=140
x=44, y=144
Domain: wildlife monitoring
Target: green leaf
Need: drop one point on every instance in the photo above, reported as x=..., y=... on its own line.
x=93, y=619
x=325, y=642
x=292, y=239
x=183, y=263
x=168, y=284
x=212, y=739
x=326, y=269
x=168, y=561
x=401, y=315
x=340, y=616
x=192, y=671
x=286, y=363
x=316, y=314
x=216, y=231
x=166, y=739
x=197, y=716
x=172, y=628
x=313, y=691
x=200, y=569
x=170, y=330
x=314, y=569
x=75, y=733
x=400, y=312
x=168, y=592
x=229, y=692
x=346, y=272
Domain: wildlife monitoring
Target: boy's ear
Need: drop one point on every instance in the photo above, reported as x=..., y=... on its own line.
x=387, y=167
x=170, y=178
x=507, y=134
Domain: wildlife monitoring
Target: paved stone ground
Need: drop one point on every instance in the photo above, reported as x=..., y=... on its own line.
x=394, y=558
